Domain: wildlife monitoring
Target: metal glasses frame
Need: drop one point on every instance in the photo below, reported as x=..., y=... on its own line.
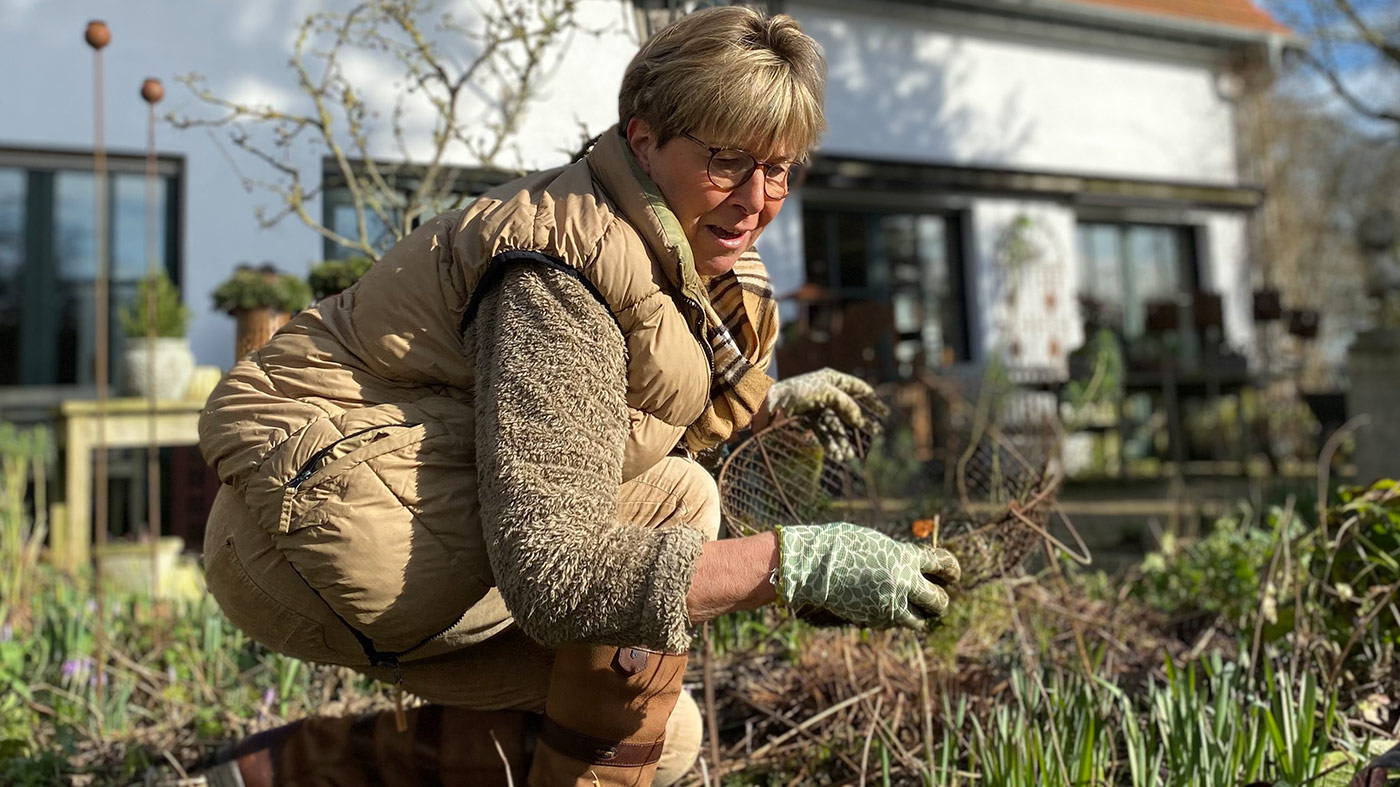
x=770, y=184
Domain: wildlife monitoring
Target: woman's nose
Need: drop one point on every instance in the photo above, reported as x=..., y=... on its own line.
x=749, y=195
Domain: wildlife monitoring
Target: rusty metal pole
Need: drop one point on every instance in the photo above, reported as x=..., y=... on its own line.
x=98, y=36
x=152, y=92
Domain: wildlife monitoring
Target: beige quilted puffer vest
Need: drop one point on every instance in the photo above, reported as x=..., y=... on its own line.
x=349, y=436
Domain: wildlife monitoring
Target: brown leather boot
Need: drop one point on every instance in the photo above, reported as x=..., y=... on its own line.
x=451, y=747
x=605, y=716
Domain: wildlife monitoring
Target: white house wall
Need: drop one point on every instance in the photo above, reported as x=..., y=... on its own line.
x=900, y=87
x=242, y=49
x=904, y=87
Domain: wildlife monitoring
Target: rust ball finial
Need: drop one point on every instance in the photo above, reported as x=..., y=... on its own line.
x=97, y=35
x=152, y=90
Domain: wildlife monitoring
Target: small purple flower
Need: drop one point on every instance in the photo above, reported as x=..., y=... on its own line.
x=269, y=697
x=78, y=668
x=91, y=606
x=6, y=633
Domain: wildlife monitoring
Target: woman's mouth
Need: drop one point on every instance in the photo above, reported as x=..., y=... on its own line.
x=729, y=239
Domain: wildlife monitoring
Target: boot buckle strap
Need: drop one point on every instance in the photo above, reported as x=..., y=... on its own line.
x=598, y=751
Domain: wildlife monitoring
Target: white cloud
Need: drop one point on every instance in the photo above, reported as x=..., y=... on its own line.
x=14, y=14
x=256, y=92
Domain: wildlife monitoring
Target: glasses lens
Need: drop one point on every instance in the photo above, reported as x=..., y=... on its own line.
x=730, y=168
x=778, y=179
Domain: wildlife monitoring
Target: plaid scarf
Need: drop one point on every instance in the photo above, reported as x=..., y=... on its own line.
x=741, y=317
x=741, y=324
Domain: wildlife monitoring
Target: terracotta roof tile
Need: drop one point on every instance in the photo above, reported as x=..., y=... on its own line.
x=1233, y=13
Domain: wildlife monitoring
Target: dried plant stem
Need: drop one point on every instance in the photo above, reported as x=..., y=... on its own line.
x=869, y=736
x=802, y=727
x=1324, y=464
x=711, y=710
x=794, y=729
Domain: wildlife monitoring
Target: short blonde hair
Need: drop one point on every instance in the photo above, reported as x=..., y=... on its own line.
x=730, y=76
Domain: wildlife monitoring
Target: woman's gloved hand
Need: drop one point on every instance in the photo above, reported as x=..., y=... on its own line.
x=863, y=576
x=833, y=401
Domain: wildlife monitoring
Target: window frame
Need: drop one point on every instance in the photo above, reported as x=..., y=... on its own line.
x=40, y=168
x=880, y=287
x=1190, y=265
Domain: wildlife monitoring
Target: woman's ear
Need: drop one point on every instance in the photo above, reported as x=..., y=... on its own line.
x=642, y=140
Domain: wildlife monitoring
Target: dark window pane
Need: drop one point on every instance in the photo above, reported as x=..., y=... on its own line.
x=131, y=254
x=1154, y=257
x=136, y=249
x=12, y=193
x=896, y=295
x=1123, y=267
x=1100, y=274
x=852, y=252
x=346, y=223
x=11, y=222
x=900, y=251
x=56, y=339
x=75, y=232
x=815, y=246
x=69, y=343
x=903, y=276
x=942, y=328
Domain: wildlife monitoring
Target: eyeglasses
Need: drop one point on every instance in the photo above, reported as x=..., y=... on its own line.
x=730, y=168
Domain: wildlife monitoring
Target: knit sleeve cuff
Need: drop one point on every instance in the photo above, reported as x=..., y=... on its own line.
x=665, y=614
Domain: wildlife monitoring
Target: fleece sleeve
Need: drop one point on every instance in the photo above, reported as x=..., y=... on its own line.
x=551, y=424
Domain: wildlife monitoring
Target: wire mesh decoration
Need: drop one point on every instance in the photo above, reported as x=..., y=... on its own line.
x=987, y=491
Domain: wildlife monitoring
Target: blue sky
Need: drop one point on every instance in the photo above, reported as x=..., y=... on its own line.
x=1367, y=74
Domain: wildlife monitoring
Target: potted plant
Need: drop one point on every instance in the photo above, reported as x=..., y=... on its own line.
x=157, y=360
x=331, y=277
x=262, y=300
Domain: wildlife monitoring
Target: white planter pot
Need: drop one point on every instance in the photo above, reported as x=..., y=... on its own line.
x=161, y=366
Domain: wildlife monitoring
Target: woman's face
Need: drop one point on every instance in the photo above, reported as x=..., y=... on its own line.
x=720, y=225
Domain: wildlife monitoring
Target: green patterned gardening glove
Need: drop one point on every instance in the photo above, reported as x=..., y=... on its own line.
x=862, y=576
x=832, y=401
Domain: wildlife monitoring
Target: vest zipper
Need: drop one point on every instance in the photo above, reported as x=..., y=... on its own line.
x=700, y=334
x=704, y=340
x=311, y=465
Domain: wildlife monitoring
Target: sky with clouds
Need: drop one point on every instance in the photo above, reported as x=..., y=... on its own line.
x=1372, y=78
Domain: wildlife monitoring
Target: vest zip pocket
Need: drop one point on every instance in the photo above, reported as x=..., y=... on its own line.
x=310, y=467
x=297, y=494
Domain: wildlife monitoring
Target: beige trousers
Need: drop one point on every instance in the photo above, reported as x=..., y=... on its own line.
x=507, y=670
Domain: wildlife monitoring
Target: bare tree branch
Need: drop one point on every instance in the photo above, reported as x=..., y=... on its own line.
x=1367, y=33
x=475, y=107
x=1346, y=95
x=1346, y=39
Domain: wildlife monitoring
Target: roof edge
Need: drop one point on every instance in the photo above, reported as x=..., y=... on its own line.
x=1139, y=20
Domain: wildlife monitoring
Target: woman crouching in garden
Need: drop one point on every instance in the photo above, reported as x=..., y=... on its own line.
x=471, y=474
